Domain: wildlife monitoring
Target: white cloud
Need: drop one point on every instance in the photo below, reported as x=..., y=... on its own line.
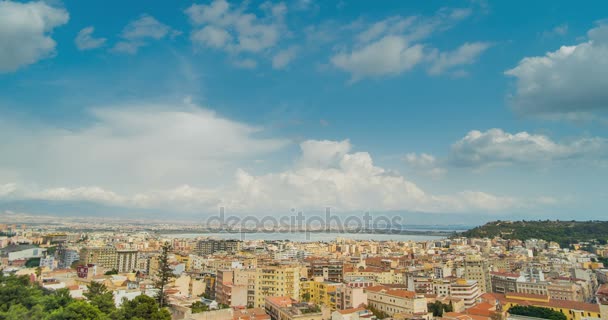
x=496, y=147
x=211, y=36
x=221, y=26
x=568, y=82
x=284, y=57
x=464, y=55
x=393, y=45
x=130, y=147
x=326, y=174
x=138, y=32
x=25, y=32
x=389, y=55
x=424, y=163
x=85, y=40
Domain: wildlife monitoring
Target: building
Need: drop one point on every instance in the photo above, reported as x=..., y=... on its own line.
x=352, y=295
x=230, y=288
x=104, y=257
x=503, y=282
x=22, y=252
x=353, y=314
x=573, y=310
x=126, y=260
x=476, y=268
x=211, y=246
x=276, y=280
x=396, y=301
x=320, y=292
x=286, y=308
x=467, y=290
x=330, y=270
x=65, y=257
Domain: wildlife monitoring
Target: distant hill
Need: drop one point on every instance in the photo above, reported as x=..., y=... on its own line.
x=562, y=232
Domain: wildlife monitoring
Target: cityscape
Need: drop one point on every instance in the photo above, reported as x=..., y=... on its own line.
x=303, y=160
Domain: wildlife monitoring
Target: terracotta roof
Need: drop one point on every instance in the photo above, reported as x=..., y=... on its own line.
x=393, y=292
x=351, y=310
x=283, y=301
x=563, y=304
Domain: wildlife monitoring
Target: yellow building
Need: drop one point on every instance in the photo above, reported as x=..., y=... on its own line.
x=573, y=310
x=320, y=292
x=276, y=280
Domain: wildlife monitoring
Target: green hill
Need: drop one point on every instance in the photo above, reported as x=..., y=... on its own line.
x=562, y=232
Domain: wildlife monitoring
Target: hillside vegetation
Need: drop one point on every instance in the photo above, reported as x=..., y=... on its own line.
x=562, y=232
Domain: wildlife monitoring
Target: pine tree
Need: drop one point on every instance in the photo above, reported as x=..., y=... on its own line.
x=163, y=275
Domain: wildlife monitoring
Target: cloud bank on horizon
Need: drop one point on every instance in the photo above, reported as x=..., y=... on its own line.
x=266, y=106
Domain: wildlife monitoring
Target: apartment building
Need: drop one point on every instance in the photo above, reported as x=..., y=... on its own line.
x=321, y=292
x=476, y=268
x=396, y=301
x=231, y=288
x=287, y=308
x=211, y=246
x=276, y=280
x=330, y=270
x=105, y=257
x=126, y=260
x=467, y=290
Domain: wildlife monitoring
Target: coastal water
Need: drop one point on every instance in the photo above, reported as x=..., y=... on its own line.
x=304, y=236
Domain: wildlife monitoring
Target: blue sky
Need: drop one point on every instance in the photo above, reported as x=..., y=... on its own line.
x=476, y=108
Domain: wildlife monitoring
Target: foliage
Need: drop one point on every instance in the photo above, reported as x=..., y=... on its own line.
x=141, y=308
x=100, y=297
x=379, y=314
x=78, y=310
x=537, y=312
x=32, y=263
x=111, y=272
x=163, y=275
x=199, y=307
x=563, y=232
x=20, y=299
x=438, y=308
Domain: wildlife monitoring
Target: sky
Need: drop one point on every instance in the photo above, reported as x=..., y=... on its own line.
x=454, y=111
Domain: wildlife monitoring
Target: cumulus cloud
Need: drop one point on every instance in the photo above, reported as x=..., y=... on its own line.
x=25, y=32
x=465, y=54
x=130, y=146
x=138, y=32
x=394, y=45
x=222, y=26
x=425, y=163
x=85, y=40
x=568, y=82
x=327, y=173
x=496, y=147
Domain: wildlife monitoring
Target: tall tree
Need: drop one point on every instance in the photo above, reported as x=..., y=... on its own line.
x=163, y=275
x=99, y=296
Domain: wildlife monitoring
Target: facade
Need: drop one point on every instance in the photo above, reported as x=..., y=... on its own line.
x=230, y=289
x=393, y=301
x=477, y=269
x=330, y=270
x=503, y=282
x=104, y=257
x=320, y=292
x=348, y=297
x=467, y=290
x=210, y=246
x=276, y=280
x=126, y=260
